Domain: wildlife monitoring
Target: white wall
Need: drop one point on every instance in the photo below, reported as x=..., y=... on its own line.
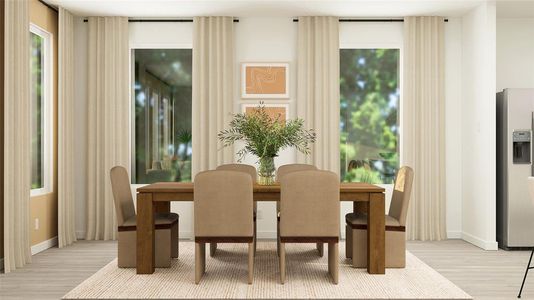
x=515, y=53
x=267, y=40
x=478, y=126
x=453, y=128
x=275, y=40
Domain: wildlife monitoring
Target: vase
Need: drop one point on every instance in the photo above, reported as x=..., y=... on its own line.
x=266, y=171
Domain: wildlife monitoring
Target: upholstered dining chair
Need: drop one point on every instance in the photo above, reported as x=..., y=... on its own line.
x=223, y=214
x=309, y=213
x=251, y=170
x=166, y=225
x=283, y=170
x=356, y=227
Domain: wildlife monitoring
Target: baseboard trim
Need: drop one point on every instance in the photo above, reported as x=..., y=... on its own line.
x=80, y=235
x=486, y=245
x=266, y=235
x=44, y=245
x=454, y=234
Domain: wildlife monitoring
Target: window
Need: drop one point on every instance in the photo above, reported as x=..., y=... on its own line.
x=41, y=111
x=369, y=115
x=162, y=94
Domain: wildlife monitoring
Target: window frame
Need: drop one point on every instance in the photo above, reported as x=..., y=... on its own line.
x=47, y=111
x=396, y=46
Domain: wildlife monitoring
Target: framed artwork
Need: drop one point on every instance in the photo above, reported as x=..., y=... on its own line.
x=273, y=110
x=265, y=80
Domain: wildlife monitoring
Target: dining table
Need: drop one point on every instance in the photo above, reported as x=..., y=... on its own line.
x=156, y=197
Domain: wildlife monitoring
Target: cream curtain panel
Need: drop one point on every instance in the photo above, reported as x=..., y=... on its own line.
x=423, y=125
x=318, y=88
x=213, y=85
x=66, y=200
x=108, y=120
x=17, y=178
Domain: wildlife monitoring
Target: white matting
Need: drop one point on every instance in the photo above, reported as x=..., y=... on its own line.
x=307, y=277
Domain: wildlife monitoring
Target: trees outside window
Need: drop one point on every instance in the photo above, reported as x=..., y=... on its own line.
x=369, y=115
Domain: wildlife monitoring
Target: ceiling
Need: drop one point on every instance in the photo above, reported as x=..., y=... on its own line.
x=259, y=8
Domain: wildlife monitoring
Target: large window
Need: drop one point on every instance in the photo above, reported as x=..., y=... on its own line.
x=161, y=149
x=40, y=110
x=369, y=118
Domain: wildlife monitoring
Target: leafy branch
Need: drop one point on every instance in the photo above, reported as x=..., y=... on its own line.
x=265, y=136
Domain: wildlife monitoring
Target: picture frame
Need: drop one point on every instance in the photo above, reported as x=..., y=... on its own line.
x=272, y=109
x=268, y=80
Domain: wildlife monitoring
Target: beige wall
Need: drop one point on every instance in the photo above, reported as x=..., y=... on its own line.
x=44, y=207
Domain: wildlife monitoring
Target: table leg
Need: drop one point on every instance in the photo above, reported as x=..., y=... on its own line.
x=360, y=207
x=376, y=234
x=162, y=207
x=145, y=234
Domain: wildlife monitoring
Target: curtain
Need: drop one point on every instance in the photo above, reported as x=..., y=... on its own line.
x=108, y=120
x=423, y=131
x=17, y=178
x=213, y=85
x=66, y=200
x=318, y=88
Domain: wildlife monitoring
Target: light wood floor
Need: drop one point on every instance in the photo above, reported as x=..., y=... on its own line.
x=482, y=274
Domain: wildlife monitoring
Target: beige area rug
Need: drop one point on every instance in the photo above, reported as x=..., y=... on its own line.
x=307, y=277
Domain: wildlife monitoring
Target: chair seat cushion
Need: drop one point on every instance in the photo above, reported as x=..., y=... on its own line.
x=161, y=220
x=360, y=219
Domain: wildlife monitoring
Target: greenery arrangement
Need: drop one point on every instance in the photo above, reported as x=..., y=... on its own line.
x=264, y=136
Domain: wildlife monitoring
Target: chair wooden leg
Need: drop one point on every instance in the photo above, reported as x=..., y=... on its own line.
x=250, y=262
x=282, y=263
x=278, y=238
x=213, y=248
x=333, y=261
x=348, y=242
x=320, y=248
x=200, y=261
x=255, y=237
x=174, y=241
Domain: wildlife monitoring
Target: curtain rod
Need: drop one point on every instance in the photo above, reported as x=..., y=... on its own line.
x=162, y=20
x=370, y=20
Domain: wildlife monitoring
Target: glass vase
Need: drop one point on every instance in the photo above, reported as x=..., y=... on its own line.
x=266, y=171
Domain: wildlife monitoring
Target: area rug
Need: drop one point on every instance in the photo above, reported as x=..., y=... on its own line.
x=226, y=277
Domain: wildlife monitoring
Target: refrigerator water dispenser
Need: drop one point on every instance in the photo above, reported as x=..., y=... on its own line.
x=521, y=147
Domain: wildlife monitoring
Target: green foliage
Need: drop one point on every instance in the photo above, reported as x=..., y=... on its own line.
x=369, y=90
x=265, y=136
x=37, y=134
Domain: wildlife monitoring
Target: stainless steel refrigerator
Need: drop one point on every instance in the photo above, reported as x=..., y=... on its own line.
x=515, y=210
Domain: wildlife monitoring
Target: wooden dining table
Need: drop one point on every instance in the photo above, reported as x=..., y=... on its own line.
x=156, y=197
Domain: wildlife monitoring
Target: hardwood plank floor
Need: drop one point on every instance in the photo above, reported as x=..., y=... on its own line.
x=482, y=274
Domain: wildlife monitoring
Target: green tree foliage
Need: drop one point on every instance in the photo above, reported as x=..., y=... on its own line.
x=369, y=91
x=36, y=64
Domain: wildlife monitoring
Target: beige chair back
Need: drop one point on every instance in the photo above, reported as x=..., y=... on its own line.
x=122, y=195
x=223, y=204
x=309, y=204
x=402, y=191
x=286, y=169
x=240, y=168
